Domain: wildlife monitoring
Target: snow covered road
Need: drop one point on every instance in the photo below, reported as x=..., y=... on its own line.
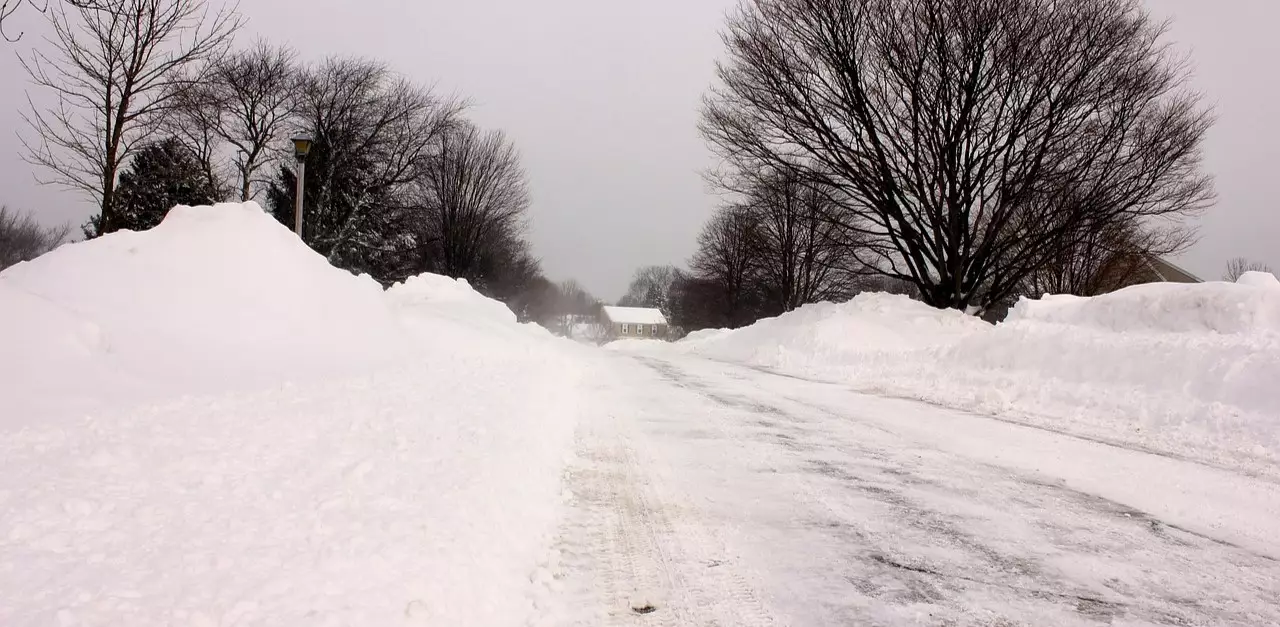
x=208, y=424
x=713, y=494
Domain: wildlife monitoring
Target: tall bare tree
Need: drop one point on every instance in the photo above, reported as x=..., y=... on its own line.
x=725, y=264
x=649, y=287
x=474, y=196
x=1238, y=266
x=113, y=71
x=22, y=238
x=800, y=256
x=243, y=106
x=247, y=101
x=971, y=140
x=194, y=118
x=376, y=134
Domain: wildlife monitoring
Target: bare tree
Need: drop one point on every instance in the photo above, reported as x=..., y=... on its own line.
x=576, y=300
x=474, y=196
x=970, y=140
x=801, y=257
x=254, y=94
x=113, y=71
x=24, y=239
x=1238, y=266
x=1102, y=260
x=649, y=287
x=376, y=135
x=243, y=106
x=725, y=264
x=9, y=7
x=194, y=118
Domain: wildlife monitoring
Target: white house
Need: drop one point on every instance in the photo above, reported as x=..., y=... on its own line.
x=635, y=323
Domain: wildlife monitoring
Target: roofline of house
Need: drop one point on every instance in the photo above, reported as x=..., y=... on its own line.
x=1171, y=265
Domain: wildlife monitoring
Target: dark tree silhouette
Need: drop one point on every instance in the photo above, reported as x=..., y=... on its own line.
x=375, y=135
x=473, y=199
x=970, y=141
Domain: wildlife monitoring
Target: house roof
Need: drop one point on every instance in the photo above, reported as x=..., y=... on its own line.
x=634, y=315
x=1166, y=271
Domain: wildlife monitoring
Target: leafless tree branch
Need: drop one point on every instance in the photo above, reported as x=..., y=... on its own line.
x=24, y=239
x=970, y=141
x=1238, y=266
x=114, y=72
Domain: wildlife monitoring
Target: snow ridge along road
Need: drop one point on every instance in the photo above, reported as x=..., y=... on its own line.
x=722, y=495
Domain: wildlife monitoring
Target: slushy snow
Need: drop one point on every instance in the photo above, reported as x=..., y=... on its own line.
x=207, y=424
x=1183, y=369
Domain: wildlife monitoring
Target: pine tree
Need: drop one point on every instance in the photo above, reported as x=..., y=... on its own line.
x=378, y=243
x=161, y=176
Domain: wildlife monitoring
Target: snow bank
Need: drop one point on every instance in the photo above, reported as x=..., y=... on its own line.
x=214, y=298
x=870, y=323
x=215, y=426
x=1259, y=279
x=455, y=299
x=1185, y=369
x=1207, y=308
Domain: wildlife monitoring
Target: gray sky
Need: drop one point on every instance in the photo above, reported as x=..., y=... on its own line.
x=602, y=99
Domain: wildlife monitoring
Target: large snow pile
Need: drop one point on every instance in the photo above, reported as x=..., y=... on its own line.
x=454, y=299
x=869, y=324
x=1186, y=369
x=258, y=438
x=213, y=298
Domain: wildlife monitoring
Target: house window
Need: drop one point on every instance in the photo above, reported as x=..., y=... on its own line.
x=654, y=331
x=639, y=329
x=624, y=328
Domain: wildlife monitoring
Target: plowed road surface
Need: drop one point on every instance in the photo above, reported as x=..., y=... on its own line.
x=711, y=494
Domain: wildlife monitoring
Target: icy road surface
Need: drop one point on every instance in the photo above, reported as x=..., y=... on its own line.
x=712, y=494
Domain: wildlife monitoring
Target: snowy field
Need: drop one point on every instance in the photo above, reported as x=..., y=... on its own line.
x=1190, y=370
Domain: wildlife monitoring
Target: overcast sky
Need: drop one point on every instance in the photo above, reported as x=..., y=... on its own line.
x=602, y=97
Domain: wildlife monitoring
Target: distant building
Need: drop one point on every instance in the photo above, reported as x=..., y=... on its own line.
x=637, y=323
x=1159, y=270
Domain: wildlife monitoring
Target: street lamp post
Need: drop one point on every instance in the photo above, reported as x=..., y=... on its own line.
x=301, y=146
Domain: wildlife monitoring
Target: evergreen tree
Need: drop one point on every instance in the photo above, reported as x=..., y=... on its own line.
x=378, y=243
x=161, y=176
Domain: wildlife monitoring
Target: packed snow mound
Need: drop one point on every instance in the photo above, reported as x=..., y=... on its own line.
x=871, y=322
x=705, y=335
x=1225, y=308
x=433, y=297
x=443, y=294
x=1259, y=279
x=1189, y=369
x=208, y=424
x=213, y=299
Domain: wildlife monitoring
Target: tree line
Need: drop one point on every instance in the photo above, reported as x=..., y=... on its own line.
x=967, y=152
x=156, y=107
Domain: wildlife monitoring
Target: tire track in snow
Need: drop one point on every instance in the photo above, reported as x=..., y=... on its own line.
x=636, y=554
